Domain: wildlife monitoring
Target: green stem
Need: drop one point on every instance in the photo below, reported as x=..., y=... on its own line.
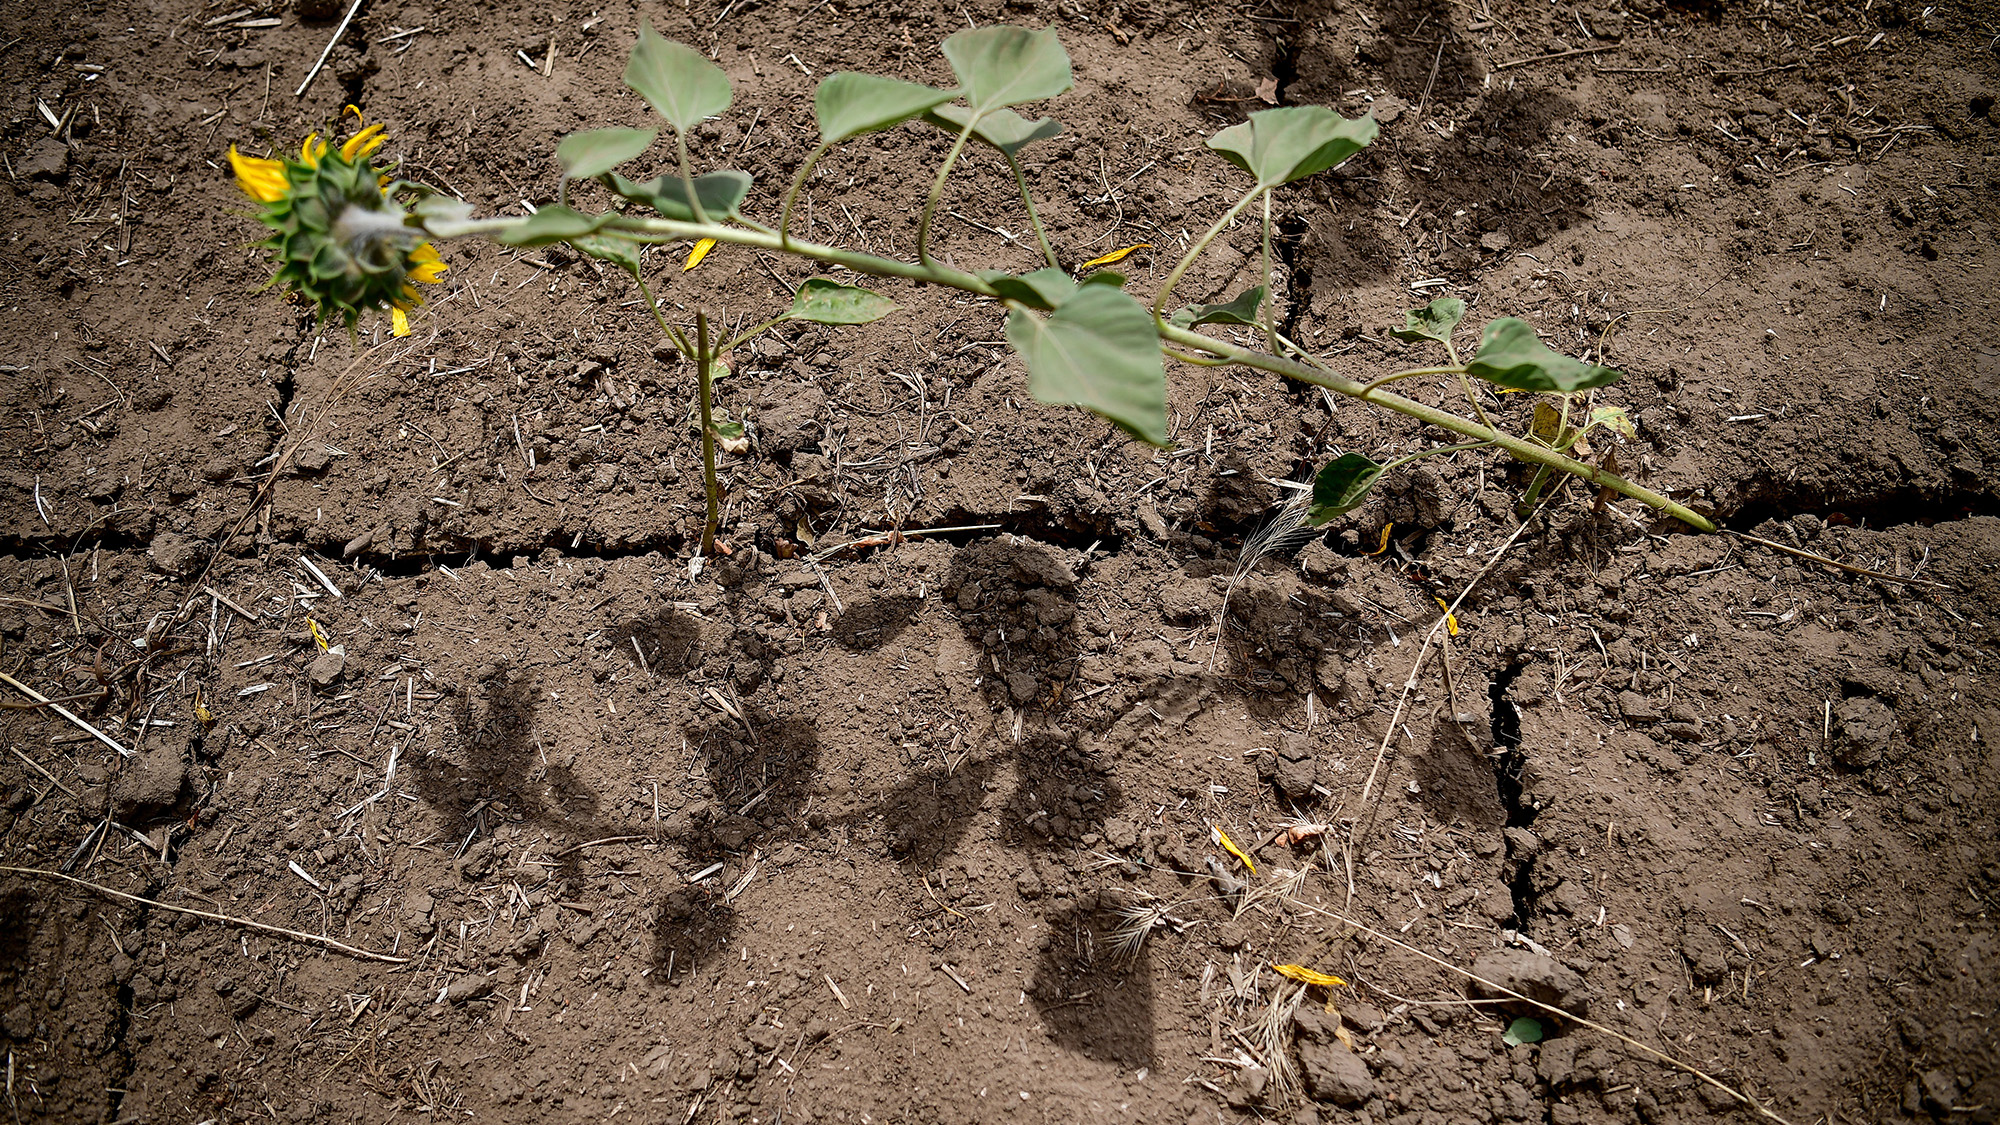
x=1459, y=448
x=1465, y=383
x=1194, y=360
x=937, y=191
x=672, y=334
x=1521, y=449
x=1174, y=278
x=792, y=196
x=1270, y=317
x=1535, y=486
x=653, y=230
x=704, y=386
x=687, y=178
x=1027, y=198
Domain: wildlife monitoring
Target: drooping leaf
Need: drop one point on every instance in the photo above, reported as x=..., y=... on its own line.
x=1002, y=128
x=1242, y=310
x=849, y=104
x=553, y=224
x=721, y=193
x=1281, y=145
x=824, y=301
x=1341, y=486
x=695, y=255
x=1547, y=427
x=676, y=80
x=1097, y=351
x=1434, y=321
x=1522, y=1030
x=1510, y=355
x=1002, y=65
x=1115, y=256
x=1046, y=288
x=1617, y=420
x=1112, y=278
x=620, y=252
x=594, y=152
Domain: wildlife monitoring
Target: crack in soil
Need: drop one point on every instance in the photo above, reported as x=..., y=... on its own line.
x=1509, y=761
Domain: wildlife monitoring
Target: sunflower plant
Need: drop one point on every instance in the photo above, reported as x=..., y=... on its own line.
x=342, y=237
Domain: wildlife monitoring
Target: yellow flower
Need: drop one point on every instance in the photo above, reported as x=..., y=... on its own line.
x=262, y=180
x=399, y=322
x=365, y=142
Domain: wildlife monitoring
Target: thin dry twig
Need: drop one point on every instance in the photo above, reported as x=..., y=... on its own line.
x=295, y=935
x=1837, y=565
x=59, y=709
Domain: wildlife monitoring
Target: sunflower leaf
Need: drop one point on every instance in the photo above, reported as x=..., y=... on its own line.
x=676, y=80
x=1001, y=65
x=721, y=193
x=1046, y=288
x=594, y=152
x=1434, y=321
x=1242, y=310
x=1097, y=351
x=824, y=301
x=848, y=104
x=1002, y=128
x=1281, y=145
x=1341, y=486
x=1511, y=355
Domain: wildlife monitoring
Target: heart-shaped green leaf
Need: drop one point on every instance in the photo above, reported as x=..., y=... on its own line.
x=1002, y=66
x=824, y=301
x=1523, y=1030
x=849, y=104
x=1434, y=321
x=1242, y=310
x=1112, y=278
x=1341, y=486
x=1046, y=288
x=1511, y=356
x=553, y=224
x=676, y=80
x=1281, y=145
x=597, y=151
x=1615, y=419
x=721, y=193
x=1097, y=351
x=1003, y=128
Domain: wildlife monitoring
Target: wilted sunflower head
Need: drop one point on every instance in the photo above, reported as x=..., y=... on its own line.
x=339, y=236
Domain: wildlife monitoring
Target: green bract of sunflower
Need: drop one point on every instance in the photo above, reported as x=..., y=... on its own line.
x=338, y=234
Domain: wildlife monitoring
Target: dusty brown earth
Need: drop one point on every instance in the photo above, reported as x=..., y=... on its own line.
x=850, y=835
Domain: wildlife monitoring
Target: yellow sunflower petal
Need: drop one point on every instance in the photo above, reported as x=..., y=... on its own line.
x=262, y=180
x=699, y=252
x=399, y=322
x=1229, y=846
x=312, y=150
x=364, y=142
x=1308, y=976
x=1115, y=256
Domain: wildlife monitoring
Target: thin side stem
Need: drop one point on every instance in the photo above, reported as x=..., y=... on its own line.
x=672, y=334
x=792, y=196
x=687, y=178
x=1201, y=244
x=1410, y=374
x=1270, y=316
x=1028, y=199
x=1195, y=360
x=704, y=387
x=1465, y=383
x=751, y=333
x=937, y=191
x=1422, y=453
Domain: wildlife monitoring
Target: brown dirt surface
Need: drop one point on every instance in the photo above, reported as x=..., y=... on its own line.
x=853, y=837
